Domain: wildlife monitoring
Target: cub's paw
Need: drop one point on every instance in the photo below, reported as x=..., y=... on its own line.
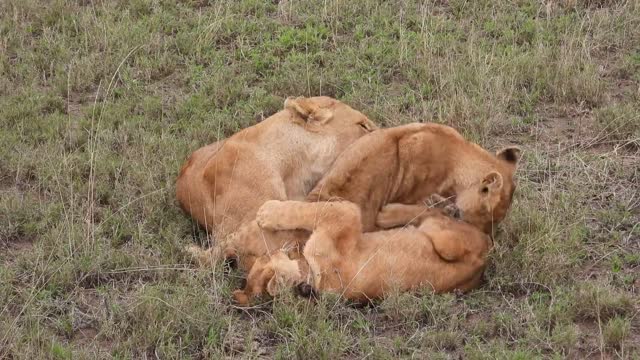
x=204, y=258
x=194, y=250
x=270, y=214
x=199, y=255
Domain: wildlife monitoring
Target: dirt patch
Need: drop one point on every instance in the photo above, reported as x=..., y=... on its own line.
x=76, y=100
x=88, y=315
x=11, y=248
x=564, y=125
x=85, y=336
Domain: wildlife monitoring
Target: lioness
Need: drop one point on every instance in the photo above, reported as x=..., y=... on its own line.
x=223, y=184
x=439, y=252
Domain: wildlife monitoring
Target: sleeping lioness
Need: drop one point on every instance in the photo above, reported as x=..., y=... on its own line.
x=401, y=165
x=222, y=185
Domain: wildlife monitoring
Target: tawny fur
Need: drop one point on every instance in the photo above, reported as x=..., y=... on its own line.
x=409, y=163
x=404, y=165
x=222, y=185
x=439, y=252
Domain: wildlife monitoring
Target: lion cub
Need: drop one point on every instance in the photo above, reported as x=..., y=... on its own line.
x=408, y=163
x=435, y=250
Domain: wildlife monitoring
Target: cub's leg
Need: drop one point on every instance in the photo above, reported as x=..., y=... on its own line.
x=257, y=279
x=241, y=248
x=456, y=241
x=465, y=252
x=336, y=228
x=208, y=257
x=394, y=215
x=451, y=240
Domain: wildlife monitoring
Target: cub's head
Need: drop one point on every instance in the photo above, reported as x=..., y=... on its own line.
x=487, y=200
x=331, y=117
x=271, y=274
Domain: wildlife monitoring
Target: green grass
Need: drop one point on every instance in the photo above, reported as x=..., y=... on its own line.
x=101, y=101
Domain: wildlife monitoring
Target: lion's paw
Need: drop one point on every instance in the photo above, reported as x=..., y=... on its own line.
x=194, y=250
x=269, y=215
x=240, y=297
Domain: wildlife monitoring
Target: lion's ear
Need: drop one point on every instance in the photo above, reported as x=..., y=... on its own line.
x=306, y=109
x=492, y=181
x=509, y=154
x=273, y=287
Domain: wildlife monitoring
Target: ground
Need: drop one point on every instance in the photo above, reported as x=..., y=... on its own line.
x=101, y=101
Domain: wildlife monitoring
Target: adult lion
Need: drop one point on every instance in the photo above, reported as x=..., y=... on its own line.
x=222, y=185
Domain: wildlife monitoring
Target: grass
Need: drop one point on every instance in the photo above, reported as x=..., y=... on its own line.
x=101, y=101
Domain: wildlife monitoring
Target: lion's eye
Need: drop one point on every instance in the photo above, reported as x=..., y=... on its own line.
x=484, y=190
x=364, y=126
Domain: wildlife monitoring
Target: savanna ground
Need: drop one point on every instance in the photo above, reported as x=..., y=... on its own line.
x=101, y=102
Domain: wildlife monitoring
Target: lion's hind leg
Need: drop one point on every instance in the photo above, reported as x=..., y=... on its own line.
x=336, y=229
x=334, y=217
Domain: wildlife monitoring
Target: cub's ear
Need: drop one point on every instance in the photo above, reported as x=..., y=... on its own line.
x=509, y=154
x=492, y=182
x=306, y=109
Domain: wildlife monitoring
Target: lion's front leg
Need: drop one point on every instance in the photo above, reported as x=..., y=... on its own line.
x=205, y=257
x=394, y=215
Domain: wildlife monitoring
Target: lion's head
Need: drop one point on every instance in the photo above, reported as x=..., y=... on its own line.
x=328, y=116
x=487, y=200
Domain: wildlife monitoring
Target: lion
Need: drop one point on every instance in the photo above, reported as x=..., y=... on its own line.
x=408, y=163
x=439, y=251
x=222, y=185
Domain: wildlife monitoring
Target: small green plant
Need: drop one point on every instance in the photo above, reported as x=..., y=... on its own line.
x=616, y=331
x=60, y=352
x=599, y=301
